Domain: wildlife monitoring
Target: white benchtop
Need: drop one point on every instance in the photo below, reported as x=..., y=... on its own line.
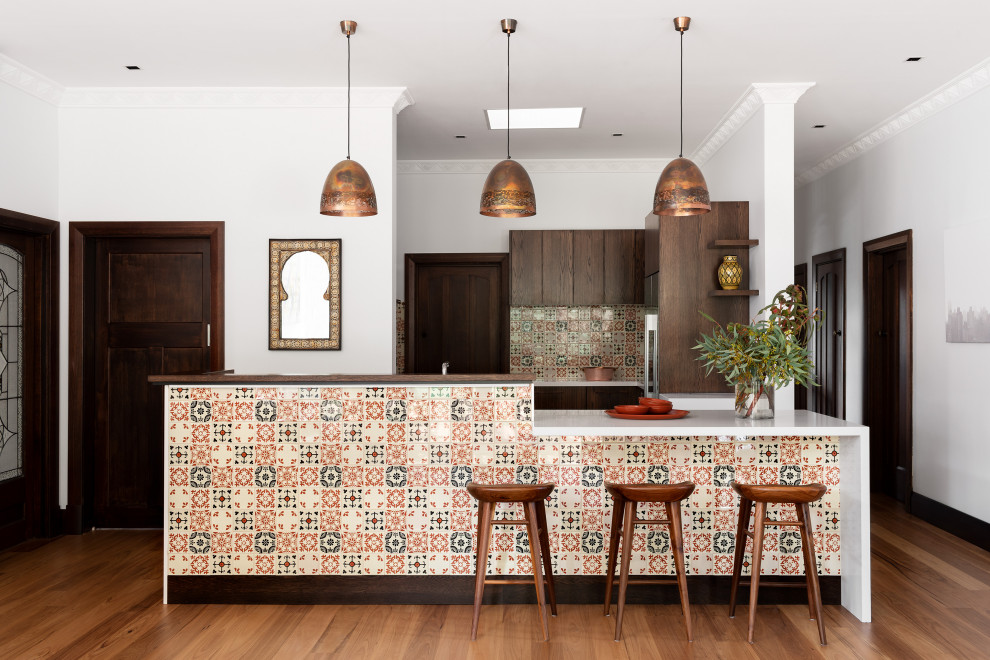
x=588, y=383
x=698, y=422
x=854, y=464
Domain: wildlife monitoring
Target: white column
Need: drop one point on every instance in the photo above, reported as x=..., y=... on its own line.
x=776, y=250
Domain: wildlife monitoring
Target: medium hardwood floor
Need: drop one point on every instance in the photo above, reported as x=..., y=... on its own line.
x=98, y=595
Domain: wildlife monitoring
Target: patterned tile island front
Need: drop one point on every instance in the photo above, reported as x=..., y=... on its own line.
x=324, y=479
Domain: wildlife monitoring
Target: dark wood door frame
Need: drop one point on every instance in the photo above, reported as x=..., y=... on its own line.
x=801, y=279
x=46, y=516
x=897, y=241
x=839, y=256
x=499, y=259
x=82, y=243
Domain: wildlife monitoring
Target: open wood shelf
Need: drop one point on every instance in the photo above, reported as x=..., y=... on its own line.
x=733, y=292
x=734, y=243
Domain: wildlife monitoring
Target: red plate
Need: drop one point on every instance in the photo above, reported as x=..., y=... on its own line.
x=673, y=414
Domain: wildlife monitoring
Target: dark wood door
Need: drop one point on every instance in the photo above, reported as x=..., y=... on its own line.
x=28, y=377
x=830, y=341
x=800, y=391
x=19, y=461
x=888, y=370
x=151, y=316
x=458, y=309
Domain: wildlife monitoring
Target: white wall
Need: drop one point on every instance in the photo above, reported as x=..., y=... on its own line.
x=28, y=154
x=735, y=173
x=438, y=212
x=928, y=178
x=261, y=171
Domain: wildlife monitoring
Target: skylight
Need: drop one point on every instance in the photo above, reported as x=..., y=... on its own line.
x=536, y=118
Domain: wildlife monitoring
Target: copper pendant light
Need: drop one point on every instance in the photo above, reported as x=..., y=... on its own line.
x=681, y=189
x=508, y=191
x=348, y=191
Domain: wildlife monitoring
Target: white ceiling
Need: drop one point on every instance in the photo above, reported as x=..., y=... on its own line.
x=619, y=60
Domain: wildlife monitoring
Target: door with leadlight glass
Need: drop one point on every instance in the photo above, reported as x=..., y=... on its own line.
x=15, y=463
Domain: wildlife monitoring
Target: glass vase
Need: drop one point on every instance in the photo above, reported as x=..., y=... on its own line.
x=754, y=400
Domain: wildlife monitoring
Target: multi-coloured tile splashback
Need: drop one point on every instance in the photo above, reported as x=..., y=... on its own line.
x=556, y=343
x=370, y=481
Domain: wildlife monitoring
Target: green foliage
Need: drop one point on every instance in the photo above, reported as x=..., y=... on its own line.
x=773, y=350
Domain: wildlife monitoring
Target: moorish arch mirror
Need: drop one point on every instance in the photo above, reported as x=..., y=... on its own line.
x=304, y=294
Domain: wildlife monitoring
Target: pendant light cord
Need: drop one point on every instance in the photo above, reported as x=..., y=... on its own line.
x=508, y=81
x=349, y=97
x=682, y=96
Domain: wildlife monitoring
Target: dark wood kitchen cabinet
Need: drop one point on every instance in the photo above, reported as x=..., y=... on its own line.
x=686, y=252
x=577, y=267
x=558, y=397
x=583, y=397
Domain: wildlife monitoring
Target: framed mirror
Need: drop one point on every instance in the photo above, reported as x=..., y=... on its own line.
x=304, y=294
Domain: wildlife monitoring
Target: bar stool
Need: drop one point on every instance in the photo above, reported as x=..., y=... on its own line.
x=532, y=497
x=624, y=519
x=759, y=496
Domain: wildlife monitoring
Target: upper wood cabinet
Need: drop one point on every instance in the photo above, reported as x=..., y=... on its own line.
x=576, y=267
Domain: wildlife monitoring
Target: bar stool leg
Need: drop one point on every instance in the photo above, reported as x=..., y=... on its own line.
x=807, y=580
x=627, y=536
x=677, y=550
x=484, y=534
x=533, y=531
x=745, y=511
x=811, y=568
x=760, y=517
x=541, y=519
x=613, y=551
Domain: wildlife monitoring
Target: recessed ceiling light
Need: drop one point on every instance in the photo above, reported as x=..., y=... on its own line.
x=616, y=134
x=133, y=67
x=819, y=126
x=913, y=59
x=536, y=118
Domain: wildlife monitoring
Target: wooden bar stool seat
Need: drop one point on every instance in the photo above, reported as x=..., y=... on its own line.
x=624, y=520
x=756, y=497
x=532, y=497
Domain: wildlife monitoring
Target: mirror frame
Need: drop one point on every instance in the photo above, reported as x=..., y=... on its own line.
x=279, y=251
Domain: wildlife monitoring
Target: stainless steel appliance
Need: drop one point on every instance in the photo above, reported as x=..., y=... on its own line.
x=651, y=344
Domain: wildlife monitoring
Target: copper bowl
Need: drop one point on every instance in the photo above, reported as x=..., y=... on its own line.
x=656, y=406
x=599, y=373
x=631, y=410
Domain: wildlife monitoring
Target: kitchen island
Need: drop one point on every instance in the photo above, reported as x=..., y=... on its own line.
x=301, y=489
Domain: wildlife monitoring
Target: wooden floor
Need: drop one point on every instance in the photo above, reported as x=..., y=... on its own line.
x=98, y=595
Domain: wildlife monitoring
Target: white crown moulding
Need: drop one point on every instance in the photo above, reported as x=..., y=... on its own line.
x=396, y=98
x=17, y=75
x=614, y=165
x=970, y=81
x=756, y=96
x=30, y=81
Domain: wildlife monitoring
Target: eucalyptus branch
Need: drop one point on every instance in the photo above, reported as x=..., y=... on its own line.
x=772, y=350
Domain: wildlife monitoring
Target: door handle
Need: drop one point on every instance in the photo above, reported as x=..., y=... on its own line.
x=837, y=333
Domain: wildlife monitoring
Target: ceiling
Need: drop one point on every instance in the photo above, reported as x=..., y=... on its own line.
x=620, y=62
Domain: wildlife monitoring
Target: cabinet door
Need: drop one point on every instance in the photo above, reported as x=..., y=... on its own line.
x=558, y=397
x=526, y=256
x=651, y=245
x=558, y=280
x=624, y=267
x=603, y=397
x=589, y=267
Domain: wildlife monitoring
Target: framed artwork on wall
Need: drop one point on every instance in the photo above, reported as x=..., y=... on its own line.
x=304, y=294
x=967, y=295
